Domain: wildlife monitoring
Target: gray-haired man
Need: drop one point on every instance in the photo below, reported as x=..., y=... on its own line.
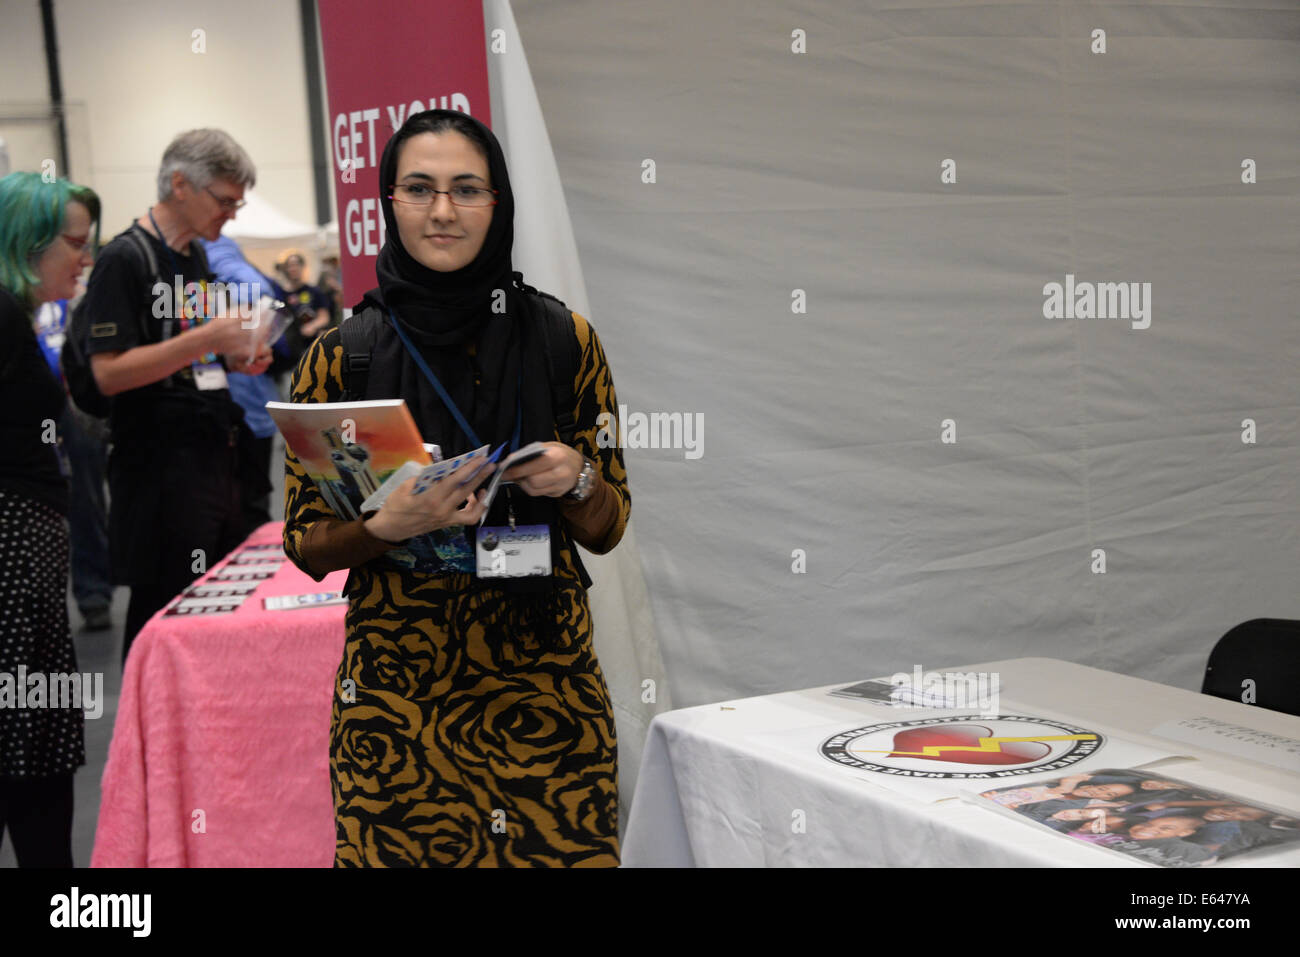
x=160, y=341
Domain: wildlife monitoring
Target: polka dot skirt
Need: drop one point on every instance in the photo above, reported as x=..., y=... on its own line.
x=34, y=633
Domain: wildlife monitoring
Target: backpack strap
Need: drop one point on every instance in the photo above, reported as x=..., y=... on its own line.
x=137, y=238
x=136, y=235
x=560, y=343
x=358, y=332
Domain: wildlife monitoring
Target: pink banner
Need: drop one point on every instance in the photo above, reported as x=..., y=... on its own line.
x=384, y=60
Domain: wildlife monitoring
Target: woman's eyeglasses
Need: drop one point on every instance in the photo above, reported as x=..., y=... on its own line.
x=417, y=194
x=76, y=242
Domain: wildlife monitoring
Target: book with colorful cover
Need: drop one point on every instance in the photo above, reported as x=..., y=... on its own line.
x=350, y=450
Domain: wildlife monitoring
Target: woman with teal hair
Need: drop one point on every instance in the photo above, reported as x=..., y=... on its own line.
x=47, y=234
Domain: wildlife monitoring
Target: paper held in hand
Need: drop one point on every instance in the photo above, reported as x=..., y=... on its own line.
x=427, y=475
x=269, y=320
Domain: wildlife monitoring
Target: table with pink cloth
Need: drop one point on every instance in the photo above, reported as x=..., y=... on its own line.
x=220, y=751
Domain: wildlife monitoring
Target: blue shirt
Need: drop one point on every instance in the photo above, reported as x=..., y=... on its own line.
x=252, y=392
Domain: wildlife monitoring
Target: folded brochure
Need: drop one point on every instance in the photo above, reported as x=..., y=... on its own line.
x=353, y=451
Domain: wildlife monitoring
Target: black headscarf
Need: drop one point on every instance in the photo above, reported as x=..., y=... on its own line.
x=446, y=307
x=442, y=313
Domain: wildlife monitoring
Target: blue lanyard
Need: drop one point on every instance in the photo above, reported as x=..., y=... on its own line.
x=447, y=400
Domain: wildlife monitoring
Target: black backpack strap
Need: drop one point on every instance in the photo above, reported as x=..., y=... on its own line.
x=559, y=341
x=137, y=237
x=561, y=344
x=358, y=332
x=140, y=241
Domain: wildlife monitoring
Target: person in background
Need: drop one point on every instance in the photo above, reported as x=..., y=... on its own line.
x=85, y=448
x=252, y=392
x=331, y=283
x=179, y=440
x=47, y=233
x=310, y=306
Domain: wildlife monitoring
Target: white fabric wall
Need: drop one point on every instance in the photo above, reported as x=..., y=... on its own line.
x=821, y=171
x=547, y=255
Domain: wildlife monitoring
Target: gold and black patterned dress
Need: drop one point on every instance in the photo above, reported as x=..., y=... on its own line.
x=455, y=740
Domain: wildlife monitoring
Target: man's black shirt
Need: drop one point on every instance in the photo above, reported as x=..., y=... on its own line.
x=120, y=305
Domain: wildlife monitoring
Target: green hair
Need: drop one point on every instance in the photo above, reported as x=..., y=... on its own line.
x=32, y=211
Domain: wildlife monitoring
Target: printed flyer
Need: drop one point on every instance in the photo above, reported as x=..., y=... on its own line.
x=1146, y=816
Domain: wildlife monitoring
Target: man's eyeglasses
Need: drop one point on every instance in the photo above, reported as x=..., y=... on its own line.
x=417, y=194
x=229, y=205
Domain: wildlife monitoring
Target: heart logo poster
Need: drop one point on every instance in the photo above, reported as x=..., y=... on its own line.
x=958, y=747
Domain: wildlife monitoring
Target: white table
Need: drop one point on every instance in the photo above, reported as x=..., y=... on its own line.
x=711, y=794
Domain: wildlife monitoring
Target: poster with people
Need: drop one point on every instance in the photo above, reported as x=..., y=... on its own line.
x=1142, y=814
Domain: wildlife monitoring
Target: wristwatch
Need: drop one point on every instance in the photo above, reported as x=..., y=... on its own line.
x=581, y=490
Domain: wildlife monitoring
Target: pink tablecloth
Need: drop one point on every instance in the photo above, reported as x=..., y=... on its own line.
x=220, y=753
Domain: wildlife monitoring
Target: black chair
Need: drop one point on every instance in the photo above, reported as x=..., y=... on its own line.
x=1265, y=651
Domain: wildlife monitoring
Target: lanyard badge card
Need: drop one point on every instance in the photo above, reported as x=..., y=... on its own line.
x=512, y=551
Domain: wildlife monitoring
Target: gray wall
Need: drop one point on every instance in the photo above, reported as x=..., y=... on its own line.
x=821, y=171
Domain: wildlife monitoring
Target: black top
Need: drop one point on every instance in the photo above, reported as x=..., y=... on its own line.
x=124, y=312
x=305, y=301
x=31, y=402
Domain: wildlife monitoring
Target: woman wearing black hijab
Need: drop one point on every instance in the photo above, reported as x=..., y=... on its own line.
x=471, y=723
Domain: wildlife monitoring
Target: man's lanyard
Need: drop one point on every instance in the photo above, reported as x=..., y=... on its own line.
x=175, y=263
x=447, y=400
x=178, y=296
x=201, y=311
